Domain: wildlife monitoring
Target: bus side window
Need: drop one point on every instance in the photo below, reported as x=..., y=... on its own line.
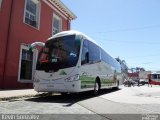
x=85, y=53
x=94, y=53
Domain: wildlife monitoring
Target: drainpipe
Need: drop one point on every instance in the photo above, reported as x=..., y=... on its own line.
x=69, y=24
x=7, y=41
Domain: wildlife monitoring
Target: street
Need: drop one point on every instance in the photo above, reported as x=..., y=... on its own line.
x=127, y=103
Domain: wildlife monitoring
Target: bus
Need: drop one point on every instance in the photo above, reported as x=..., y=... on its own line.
x=154, y=78
x=71, y=62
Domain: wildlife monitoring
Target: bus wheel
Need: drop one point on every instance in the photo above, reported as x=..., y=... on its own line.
x=96, y=88
x=64, y=94
x=49, y=93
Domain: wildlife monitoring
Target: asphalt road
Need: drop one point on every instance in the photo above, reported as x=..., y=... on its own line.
x=82, y=106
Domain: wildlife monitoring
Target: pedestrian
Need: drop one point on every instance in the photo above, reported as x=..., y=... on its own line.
x=138, y=82
x=149, y=82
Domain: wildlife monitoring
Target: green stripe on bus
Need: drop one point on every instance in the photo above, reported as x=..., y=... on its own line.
x=88, y=82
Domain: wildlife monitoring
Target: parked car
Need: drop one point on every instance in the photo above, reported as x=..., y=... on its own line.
x=143, y=81
x=129, y=82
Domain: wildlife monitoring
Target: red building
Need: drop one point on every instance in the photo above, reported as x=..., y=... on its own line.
x=21, y=23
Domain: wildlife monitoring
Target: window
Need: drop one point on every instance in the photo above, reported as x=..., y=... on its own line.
x=26, y=64
x=0, y=3
x=109, y=60
x=57, y=24
x=94, y=53
x=85, y=53
x=154, y=76
x=90, y=53
x=31, y=16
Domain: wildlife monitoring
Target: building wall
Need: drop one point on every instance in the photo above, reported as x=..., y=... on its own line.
x=17, y=33
x=4, y=20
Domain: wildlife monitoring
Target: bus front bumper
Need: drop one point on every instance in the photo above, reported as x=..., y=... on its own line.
x=56, y=88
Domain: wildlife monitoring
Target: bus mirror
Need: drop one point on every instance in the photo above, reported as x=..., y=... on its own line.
x=33, y=45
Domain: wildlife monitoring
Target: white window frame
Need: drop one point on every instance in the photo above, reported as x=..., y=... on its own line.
x=35, y=54
x=38, y=11
x=60, y=21
x=0, y=3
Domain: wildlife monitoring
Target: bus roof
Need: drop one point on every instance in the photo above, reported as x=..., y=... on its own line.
x=72, y=32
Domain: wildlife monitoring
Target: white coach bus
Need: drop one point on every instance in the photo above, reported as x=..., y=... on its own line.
x=72, y=62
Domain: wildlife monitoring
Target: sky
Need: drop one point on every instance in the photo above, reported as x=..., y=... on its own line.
x=128, y=29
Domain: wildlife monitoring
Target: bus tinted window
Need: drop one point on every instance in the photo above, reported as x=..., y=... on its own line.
x=154, y=76
x=94, y=53
x=158, y=76
x=59, y=53
x=108, y=59
x=85, y=53
x=90, y=52
x=105, y=56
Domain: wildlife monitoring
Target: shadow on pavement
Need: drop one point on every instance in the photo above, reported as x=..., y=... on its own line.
x=70, y=99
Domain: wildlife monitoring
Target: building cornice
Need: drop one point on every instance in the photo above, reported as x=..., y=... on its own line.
x=63, y=8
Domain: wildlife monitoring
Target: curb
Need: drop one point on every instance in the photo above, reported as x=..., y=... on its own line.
x=22, y=96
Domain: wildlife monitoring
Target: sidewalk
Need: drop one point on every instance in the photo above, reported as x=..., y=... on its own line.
x=13, y=94
x=135, y=95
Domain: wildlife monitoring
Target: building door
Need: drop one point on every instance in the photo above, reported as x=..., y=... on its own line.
x=27, y=64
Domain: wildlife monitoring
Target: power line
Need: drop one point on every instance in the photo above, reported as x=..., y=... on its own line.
x=146, y=63
x=128, y=29
x=129, y=42
x=143, y=56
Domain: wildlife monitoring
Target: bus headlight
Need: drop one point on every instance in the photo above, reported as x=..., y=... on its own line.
x=72, y=78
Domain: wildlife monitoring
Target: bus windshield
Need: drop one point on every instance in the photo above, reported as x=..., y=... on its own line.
x=59, y=53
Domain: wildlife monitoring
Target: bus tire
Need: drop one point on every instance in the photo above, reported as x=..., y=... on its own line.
x=96, y=87
x=49, y=93
x=64, y=94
